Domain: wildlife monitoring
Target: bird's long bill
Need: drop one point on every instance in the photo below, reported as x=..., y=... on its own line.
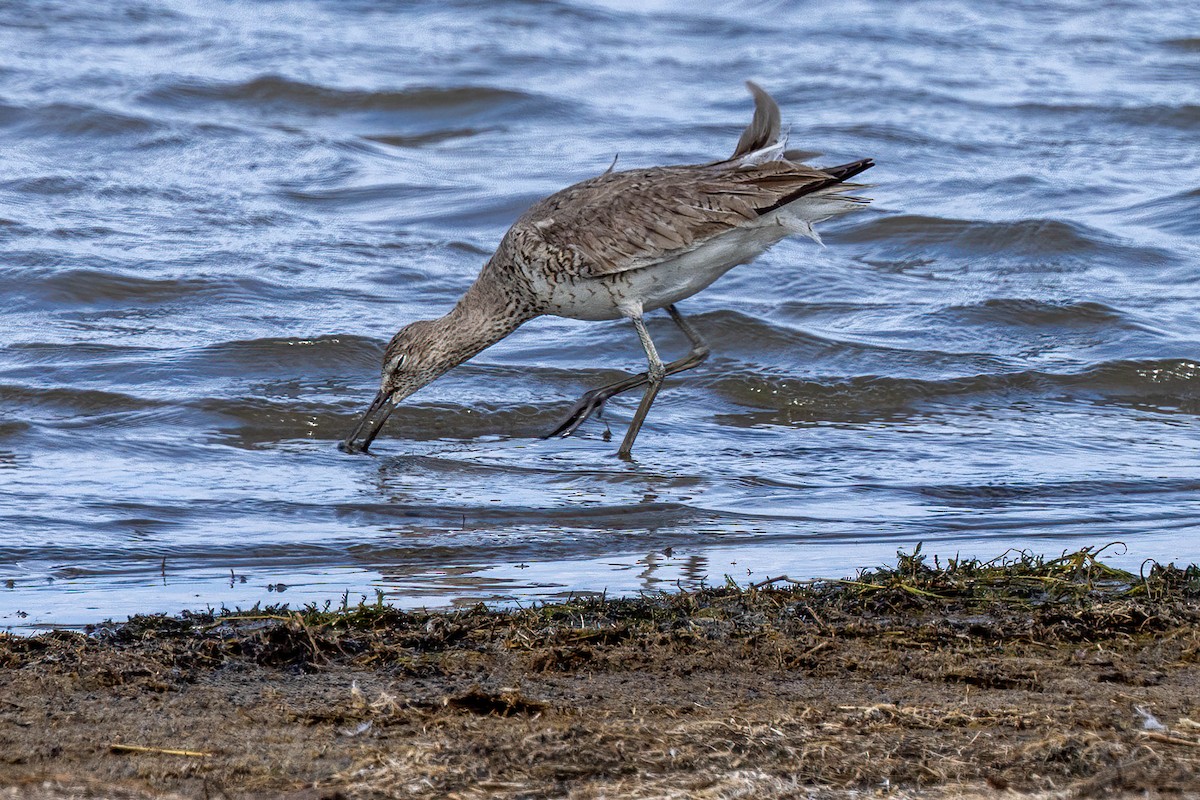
x=369, y=425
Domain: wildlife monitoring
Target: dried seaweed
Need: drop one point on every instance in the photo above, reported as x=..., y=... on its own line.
x=1053, y=676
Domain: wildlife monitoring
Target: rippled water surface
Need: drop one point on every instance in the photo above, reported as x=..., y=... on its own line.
x=214, y=215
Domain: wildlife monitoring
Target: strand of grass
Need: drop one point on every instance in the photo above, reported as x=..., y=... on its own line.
x=317, y=657
x=1168, y=739
x=920, y=592
x=244, y=618
x=116, y=747
x=773, y=581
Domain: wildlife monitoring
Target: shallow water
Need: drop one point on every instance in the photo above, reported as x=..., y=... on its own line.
x=214, y=215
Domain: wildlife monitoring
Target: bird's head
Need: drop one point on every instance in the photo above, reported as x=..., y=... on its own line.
x=413, y=358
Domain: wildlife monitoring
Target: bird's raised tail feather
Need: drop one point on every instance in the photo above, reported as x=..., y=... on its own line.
x=762, y=134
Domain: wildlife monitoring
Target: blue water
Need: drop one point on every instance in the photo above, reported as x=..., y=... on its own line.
x=214, y=215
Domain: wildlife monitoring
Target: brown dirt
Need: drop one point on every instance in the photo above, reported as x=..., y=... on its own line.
x=975, y=680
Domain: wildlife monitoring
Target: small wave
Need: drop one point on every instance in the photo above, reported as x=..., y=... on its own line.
x=11, y=227
x=94, y=286
x=46, y=185
x=610, y=517
x=82, y=232
x=975, y=494
x=292, y=355
x=76, y=120
x=486, y=210
x=73, y=401
x=1185, y=115
x=1176, y=213
x=428, y=138
x=1029, y=238
x=9, y=428
x=1042, y=236
x=364, y=195
x=733, y=327
x=1160, y=381
x=74, y=352
x=1189, y=44
x=10, y=114
x=1038, y=313
x=863, y=396
x=301, y=405
x=893, y=133
x=275, y=90
x=71, y=18
x=1168, y=385
x=257, y=422
x=752, y=338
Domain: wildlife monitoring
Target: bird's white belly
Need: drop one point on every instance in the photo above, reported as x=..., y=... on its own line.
x=651, y=287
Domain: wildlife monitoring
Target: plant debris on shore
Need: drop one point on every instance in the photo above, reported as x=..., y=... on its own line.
x=1051, y=677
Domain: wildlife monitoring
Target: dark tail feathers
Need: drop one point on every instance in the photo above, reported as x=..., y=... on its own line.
x=845, y=172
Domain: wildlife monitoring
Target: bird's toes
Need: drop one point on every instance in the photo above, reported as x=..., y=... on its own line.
x=567, y=426
x=591, y=403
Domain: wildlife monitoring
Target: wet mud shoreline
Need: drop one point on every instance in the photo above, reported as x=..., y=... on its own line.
x=1059, y=678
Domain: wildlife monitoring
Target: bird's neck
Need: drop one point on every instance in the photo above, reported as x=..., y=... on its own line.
x=482, y=317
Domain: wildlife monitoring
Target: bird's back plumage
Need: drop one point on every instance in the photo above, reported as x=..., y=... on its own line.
x=634, y=219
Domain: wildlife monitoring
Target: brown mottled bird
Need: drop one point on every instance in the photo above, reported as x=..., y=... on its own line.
x=619, y=245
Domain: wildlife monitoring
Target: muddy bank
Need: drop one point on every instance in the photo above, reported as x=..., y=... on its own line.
x=1061, y=678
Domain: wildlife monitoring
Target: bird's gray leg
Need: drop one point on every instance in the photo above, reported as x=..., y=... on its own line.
x=654, y=379
x=699, y=349
x=593, y=402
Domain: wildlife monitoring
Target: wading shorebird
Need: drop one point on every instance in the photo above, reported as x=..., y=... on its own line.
x=619, y=245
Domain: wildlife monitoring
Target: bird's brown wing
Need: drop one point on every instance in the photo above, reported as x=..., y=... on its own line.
x=628, y=220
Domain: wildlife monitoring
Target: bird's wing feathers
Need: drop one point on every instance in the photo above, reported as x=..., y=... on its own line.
x=628, y=220
x=621, y=221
